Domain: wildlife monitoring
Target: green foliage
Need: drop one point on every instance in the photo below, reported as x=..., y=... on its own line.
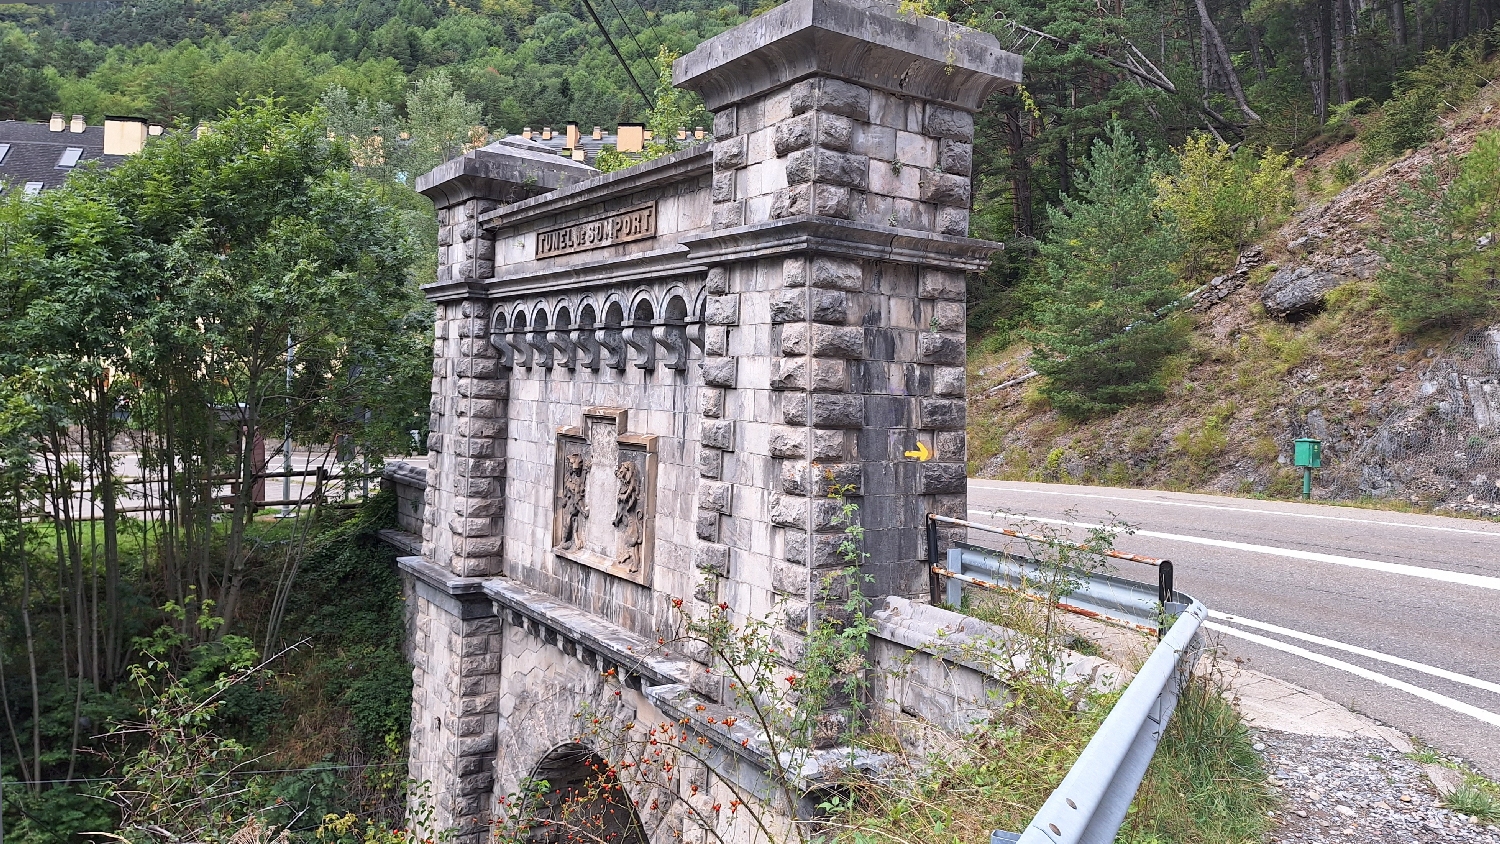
x=1221, y=198
x=1444, y=80
x=1477, y=798
x=1441, y=264
x=1344, y=172
x=1100, y=331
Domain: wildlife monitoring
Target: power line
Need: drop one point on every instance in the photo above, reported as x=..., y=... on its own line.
x=588, y=4
x=638, y=47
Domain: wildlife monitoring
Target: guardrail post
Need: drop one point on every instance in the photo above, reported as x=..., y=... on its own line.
x=932, y=558
x=955, y=586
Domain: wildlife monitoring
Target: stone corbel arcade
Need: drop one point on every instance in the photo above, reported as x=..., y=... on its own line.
x=644, y=382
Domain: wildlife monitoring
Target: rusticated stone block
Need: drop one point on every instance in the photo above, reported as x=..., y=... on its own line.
x=830, y=306
x=710, y=463
x=794, y=409
x=837, y=274
x=789, y=374
x=956, y=157
x=723, y=189
x=730, y=154
x=835, y=132
x=945, y=414
x=831, y=95
x=829, y=444
x=719, y=372
x=715, y=496
x=788, y=511
x=712, y=558
x=942, y=122
x=941, y=478
x=706, y=526
x=788, y=442
x=952, y=446
x=948, y=381
x=716, y=281
x=728, y=214
x=834, y=410
x=718, y=435
x=711, y=403
x=940, y=348
x=953, y=221
x=790, y=578
x=940, y=284
x=792, y=135
x=725, y=123
x=722, y=310
x=794, y=339
x=834, y=342
x=945, y=188
x=788, y=306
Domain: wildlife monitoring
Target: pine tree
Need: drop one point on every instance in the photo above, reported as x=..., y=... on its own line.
x=1441, y=263
x=1099, y=333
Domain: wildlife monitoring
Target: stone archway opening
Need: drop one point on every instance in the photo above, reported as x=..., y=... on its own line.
x=583, y=801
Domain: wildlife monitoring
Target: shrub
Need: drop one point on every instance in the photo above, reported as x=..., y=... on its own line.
x=1220, y=198
x=1442, y=81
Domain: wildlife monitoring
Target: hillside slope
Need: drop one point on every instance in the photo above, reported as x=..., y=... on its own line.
x=1411, y=421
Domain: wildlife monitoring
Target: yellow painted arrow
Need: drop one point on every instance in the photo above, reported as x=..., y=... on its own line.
x=922, y=453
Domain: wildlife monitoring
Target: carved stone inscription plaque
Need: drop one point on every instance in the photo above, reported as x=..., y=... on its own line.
x=623, y=227
x=605, y=491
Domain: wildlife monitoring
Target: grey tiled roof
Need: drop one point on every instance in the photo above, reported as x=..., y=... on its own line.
x=35, y=150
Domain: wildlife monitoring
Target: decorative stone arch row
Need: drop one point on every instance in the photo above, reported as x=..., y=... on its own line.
x=613, y=330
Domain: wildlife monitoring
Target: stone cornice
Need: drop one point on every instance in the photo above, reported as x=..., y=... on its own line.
x=616, y=644
x=868, y=44
x=697, y=251
x=440, y=578
x=831, y=236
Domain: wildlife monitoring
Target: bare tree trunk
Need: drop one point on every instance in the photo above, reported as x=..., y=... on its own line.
x=1340, y=21
x=1215, y=52
x=1020, y=175
x=1252, y=34
x=1398, y=22
x=36, y=698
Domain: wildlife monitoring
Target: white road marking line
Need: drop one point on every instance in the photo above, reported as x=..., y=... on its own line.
x=1158, y=501
x=1444, y=701
x=1464, y=578
x=1355, y=649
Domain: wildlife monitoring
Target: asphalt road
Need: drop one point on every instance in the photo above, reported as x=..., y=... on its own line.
x=1391, y=614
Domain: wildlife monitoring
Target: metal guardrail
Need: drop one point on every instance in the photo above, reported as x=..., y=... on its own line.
x=1090, y=804
x=1117, y=600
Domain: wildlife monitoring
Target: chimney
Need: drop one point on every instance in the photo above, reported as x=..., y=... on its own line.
x=57, y=123
x=546, y=133
x=201, y=131
x=630, y=137
x=572, y=137
x=153, y=129
x=578, y=154
x=526, y=133
x=123, y=135
x=648, y=134
x=598, y=133
x=697, y=133
x=76, y=125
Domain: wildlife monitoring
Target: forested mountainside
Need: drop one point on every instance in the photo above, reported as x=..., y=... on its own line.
x=1365, y=319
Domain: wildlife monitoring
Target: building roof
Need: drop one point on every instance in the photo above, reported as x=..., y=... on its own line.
x=558, y=140
x=33, y=153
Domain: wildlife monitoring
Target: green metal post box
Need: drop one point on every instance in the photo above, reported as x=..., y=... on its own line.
x=1308, y=453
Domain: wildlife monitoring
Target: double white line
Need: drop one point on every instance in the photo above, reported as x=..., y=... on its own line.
x=1465, y=578
x=1444, y=701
